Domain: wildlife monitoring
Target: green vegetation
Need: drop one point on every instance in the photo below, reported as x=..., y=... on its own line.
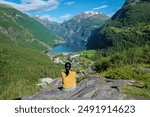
x=80, y=79
x=125, y=46
x=89, y=54
x=86, y=60
x=19, y=29
x=20, y=70
x=131, y=64
x=135, y=91
x=128, y=73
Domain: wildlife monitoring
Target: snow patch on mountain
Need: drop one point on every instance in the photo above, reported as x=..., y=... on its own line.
x=92, y=12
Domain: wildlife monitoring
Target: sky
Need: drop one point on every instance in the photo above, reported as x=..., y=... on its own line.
x=61, y=10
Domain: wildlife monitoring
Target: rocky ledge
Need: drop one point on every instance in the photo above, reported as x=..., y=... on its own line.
x=93, y=87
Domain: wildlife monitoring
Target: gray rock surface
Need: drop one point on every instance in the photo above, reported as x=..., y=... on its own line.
x=91, y=88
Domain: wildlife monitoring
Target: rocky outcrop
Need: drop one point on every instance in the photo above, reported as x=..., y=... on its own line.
x=92, y=87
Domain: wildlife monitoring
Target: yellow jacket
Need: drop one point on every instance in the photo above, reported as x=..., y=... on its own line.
x=70, y=80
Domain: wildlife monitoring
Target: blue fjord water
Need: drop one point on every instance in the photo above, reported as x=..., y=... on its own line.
x=61, y=48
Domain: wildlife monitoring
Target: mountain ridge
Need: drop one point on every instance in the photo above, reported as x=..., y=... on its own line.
x=22, y=30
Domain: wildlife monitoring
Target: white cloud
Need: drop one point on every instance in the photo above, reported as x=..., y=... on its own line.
x=69, y=3
x=65, y=17
x=33, y=5
x=100, y=7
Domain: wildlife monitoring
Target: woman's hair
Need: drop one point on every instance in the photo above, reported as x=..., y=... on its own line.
x=67, y=67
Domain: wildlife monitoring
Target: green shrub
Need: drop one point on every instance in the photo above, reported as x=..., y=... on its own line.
x=80, y=79
x=103, y=64
x=128, y=73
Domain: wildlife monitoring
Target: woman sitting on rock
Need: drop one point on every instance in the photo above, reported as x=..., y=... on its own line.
x=68, y=78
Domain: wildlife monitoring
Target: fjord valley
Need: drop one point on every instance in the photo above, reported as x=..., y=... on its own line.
x=76, y=30
x=112, y=54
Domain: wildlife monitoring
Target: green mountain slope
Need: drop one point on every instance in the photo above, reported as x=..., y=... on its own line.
x=55, y=27
x=79, y=28
x=21, y=63
x=19, y=29
x=129, y=27
x=124, y=44
x=20, y=70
